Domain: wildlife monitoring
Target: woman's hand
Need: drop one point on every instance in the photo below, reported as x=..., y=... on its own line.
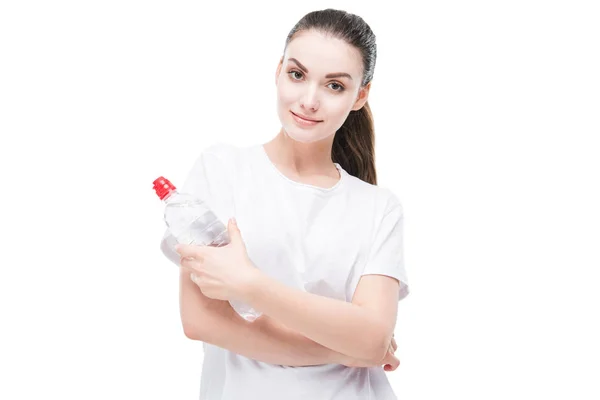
x=391, y=362
x=221, y=273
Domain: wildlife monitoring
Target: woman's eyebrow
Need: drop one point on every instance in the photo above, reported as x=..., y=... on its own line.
x=334, y=75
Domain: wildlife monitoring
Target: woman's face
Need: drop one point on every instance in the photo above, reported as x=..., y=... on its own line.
x=319, y=78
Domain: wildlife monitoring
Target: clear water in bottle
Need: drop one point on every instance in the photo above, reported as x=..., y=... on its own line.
x=190, y=221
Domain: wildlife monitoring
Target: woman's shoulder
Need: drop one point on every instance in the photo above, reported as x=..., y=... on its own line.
x=227, y=151
x=224, y=154
x=383, y=196
x=226, y=159
x=222, y=150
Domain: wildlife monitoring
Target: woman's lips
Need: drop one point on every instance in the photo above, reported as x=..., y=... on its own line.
x=304, y=122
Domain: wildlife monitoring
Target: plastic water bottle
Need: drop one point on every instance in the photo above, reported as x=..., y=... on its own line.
x=190, y=221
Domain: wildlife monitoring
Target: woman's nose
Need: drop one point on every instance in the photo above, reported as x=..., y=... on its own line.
x=310, y=100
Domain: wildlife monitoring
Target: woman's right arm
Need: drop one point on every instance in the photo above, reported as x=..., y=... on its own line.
x=215, y=322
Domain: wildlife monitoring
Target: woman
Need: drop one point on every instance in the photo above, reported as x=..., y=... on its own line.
x=317, y=247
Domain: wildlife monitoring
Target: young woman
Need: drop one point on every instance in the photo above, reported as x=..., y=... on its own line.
x=317, y=247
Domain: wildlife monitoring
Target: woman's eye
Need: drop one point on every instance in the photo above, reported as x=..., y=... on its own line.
x=293, y=73
x=340, y=87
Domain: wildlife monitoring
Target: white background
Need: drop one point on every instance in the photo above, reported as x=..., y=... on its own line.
x=487, y=123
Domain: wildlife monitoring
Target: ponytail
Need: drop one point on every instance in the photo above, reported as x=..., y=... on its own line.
x=354, y=145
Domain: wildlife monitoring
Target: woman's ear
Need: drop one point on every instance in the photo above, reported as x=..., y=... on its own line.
x=363, y=96
x=278, y=71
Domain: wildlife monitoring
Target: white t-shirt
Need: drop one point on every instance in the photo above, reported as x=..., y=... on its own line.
x=321, y=240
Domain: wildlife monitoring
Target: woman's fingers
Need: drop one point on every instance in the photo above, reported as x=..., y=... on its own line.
x=395, y=364
x=192, y=250
x=391, y=362
x=190, y=263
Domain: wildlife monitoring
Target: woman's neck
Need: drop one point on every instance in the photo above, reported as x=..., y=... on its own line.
x=303, y=160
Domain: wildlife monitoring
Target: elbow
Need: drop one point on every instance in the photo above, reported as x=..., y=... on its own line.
x=190, y=331
x=378, y=347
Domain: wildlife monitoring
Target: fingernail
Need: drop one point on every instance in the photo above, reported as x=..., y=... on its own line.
x=233, y=221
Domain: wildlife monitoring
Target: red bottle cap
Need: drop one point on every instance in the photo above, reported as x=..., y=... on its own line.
x=163, y=187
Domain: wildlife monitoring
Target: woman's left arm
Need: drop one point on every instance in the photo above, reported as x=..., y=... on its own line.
x=362, y=329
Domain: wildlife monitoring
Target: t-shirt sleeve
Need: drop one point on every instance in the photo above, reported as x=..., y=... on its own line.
x=386, y=255
x=209, y=179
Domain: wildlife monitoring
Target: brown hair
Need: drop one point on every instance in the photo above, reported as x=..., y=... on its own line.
x=354, y=142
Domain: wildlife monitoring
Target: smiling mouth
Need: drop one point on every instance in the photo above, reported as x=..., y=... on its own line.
x=312, y=121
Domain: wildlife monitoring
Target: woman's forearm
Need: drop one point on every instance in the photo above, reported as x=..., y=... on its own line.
x=341, y=326
x=266, y=340
x=270, y=341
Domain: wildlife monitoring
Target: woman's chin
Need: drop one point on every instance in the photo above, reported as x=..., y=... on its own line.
x=304, y=136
